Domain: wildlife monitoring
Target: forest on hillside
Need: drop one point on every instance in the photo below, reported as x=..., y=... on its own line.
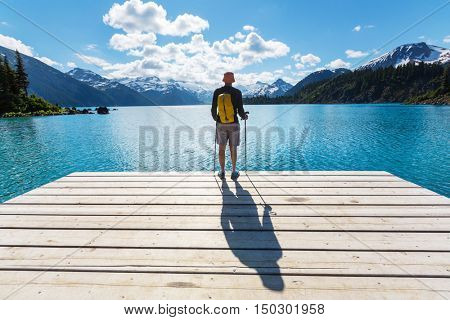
x=410, y=83
x=14, y=98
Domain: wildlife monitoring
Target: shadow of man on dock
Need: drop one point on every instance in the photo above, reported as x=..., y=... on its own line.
x=252, y=242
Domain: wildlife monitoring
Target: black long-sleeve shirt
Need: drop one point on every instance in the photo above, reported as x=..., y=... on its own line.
x=236, y=99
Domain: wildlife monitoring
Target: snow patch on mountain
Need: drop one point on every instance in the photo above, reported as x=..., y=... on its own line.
x=410, y=53
x=276, y=89
x=93, y=79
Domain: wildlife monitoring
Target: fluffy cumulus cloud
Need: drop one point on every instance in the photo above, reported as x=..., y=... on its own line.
x=446, y=39
x=239, y=35
x=135, y=16
x=355, y=53
x=198, y=60
x=338, y=63
x=192, y=59
x=14, y=44
x=129, y=41
x=357, y=28
x=309, y=60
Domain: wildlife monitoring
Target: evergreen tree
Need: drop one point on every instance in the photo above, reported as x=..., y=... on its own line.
x=445, y=84
x=9, y=87
x=21, y=76
x=3, y=88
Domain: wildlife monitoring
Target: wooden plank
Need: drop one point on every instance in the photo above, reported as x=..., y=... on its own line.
x=228, y=190
x=214, y=223
x=244, y=184
x=225, y=261
x=209, y=173
x=225, y=240
x=97, y=285
x=231, y=199
x=241, y=178
x=317, y=172
x=219, y=209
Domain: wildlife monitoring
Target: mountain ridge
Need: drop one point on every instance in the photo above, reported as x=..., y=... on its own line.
x=121, y=94
x=409, y=53
x=56, y=86
x=314, y=77
x=275, y=89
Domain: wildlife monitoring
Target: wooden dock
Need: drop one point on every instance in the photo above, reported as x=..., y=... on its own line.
x=271, y=235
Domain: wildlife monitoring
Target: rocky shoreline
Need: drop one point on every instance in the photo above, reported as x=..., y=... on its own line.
x=62, y=112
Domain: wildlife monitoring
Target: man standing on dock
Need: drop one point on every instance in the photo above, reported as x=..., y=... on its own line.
x=226, y=105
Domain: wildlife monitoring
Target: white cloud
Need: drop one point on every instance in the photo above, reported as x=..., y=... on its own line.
x=296, y=57
x=239, y=36
x=251, y=78
x=288, y=67
x=134, y=16
x=91, y=46
x=94, y=61
x=14, y=44
x=338, y=63
x=49, y=62
x=446, y=39
x=310, y=59
x=299, y=65
x=355, y=53
x=71, y=64
x=278, y=72
x=129, y=41
x=421, y=37
x=358, y=28
x=249, y=28
x=196, y=59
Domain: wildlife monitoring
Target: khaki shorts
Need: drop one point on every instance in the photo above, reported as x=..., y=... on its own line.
x=229, y=131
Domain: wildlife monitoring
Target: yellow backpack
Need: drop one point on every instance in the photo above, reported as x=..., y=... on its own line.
x=225, y=108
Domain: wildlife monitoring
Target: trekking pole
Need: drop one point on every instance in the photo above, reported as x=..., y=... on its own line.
x=215, y=149
x=245, y=136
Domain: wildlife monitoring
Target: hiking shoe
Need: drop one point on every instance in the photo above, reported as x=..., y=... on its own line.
x=235, y=175
x=221, y=175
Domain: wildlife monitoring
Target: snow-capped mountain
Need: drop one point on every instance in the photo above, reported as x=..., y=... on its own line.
x=119, y=93
x=316, y=77
x=163, y=92
x=410, y=53
x=276, y=89
x=92, y=79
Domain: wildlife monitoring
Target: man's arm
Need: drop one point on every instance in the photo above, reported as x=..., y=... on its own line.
x=240, y=105
x=214, y=106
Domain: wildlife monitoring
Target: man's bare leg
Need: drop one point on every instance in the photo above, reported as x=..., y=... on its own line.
x=222, y=157
x=233, y=153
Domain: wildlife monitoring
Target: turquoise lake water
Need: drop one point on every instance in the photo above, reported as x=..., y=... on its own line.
x=412, y=142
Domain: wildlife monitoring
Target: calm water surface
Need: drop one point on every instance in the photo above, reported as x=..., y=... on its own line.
x=412, y=142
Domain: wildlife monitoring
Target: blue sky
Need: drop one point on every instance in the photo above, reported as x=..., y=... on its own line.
x=286, y=39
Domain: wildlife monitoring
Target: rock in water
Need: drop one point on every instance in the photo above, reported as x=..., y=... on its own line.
x=102, y=110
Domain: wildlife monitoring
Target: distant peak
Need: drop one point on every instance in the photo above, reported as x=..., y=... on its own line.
x=280, y=81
